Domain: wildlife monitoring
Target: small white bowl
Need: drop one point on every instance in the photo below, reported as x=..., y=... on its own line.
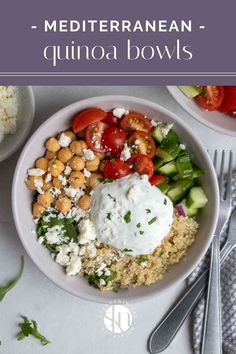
x=22, y=201
x=216, y=120
x=25, y=116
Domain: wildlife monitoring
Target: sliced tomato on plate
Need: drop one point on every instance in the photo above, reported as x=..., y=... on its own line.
x=142, y=143
x=115, y=169
x=211, y=97
x=111, y=119
x=93, y=136
x=113, y=139
x=229, y=101
x=157, y=179
x=142, y=164
x=136, y=121
x=87, y=117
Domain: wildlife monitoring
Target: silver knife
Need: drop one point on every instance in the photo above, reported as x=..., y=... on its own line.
x=165, y=331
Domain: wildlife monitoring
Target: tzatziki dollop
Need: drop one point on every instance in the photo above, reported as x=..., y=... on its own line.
x=131, y=215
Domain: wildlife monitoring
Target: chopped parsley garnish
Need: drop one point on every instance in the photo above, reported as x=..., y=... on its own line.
x=107, y=180
x=127, y=250
x=94, y=279
x=29, y=327
x=165, y=201
x=109, y=216
x=152, y=220
x=127, y=217
x=138, y=225
x=161, y=253
x=4, y=289
x=141, y=232
x=112, y=198
x=142, y=259
x=148, y=211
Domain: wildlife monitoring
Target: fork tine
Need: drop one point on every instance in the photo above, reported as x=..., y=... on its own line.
x=221, y=176
x=215, y=160
x=229, y=177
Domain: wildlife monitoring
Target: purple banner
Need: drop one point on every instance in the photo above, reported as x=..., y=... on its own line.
x=107, y=42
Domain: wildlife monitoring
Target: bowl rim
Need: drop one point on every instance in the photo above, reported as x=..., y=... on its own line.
x=19, y=142
x=173, y=90
x=126, y=99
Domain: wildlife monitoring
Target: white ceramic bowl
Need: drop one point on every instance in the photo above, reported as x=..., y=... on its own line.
x=25, y=116
x=22, y=200
x=215, y=120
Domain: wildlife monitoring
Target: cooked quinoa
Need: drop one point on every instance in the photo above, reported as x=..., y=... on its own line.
x=141, y=270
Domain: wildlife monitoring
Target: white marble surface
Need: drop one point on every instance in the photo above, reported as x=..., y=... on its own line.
x=73, y=325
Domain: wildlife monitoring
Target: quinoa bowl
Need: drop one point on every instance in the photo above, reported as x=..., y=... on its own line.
x=172, y=250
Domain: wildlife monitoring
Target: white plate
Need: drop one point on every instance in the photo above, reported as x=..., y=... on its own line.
x=22, y=200
x=215, y=120
x=25, y=116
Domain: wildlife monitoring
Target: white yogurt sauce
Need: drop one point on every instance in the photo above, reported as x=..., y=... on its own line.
x=130, y=214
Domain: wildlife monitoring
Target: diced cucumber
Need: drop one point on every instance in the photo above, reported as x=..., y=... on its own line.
x=184, y=165
x=179, y=189
x=197, y=171
x=196, y=198
x=164, y=187
x=158, y=162
x=157, y=134
x=190, y=212
x=169, y=148
x=176, y=177
x=169, y=169
x=190, y=91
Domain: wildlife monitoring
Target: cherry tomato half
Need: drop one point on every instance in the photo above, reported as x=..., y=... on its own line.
x=229, y=101
x=211, y=97
x=157, y=179
x=93, y=136
x=115, y=169
x=87, y=117
x=142, y=143
x=114, y=139
x=136, y=121
x=111, y=119
x=142, y=164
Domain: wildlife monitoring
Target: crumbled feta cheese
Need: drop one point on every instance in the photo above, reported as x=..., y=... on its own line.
x=82, y=251
x=102, y=282
x=125, y=153
x=67, y=170
x=119, y=112
x=137, y=142
x=62, y=259
x=48, y=178
x=182, y=146
x=55, y=234
x=63, y=180
x=153, y=123
x=64, y=140
x=107, y=272
x=40, y=240
x=101, y=268
x=88, y=154
x=38, y=185
x=86, y=172
x=55, y=192
x=165, y=129
x=35, y=172
x=74, y=266
x=76, y=213
x=87, y=231
x=74, y=248
x=91, y=250
x=74, y=193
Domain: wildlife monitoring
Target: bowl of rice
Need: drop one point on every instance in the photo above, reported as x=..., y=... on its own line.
x=16, y=117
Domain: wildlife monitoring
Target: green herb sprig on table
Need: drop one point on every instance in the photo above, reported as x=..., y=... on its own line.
x=4, y=289
x=30, y=327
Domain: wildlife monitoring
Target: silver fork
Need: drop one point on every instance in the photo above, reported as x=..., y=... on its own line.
x=212, y=333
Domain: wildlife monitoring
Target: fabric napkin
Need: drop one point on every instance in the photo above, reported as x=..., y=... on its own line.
x=228, y=296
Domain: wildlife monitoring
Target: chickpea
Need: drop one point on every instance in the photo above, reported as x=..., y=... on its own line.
x=83, y=144
x=50, y=155
x=56, y=167
x=102, y=164
x=45, y=199
x=42, y=163
x=100, y=155
x=63, y=204
x=84, y=202
x=76, y=148
x=56, y=183
x=31, y=182
x=47, y=186
x=64, y=155
x=92, y=165
x=76, y=179
x=77, y=163
x=93, y=180
x=52, y=145
x=70, y=134
x=38, y=210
